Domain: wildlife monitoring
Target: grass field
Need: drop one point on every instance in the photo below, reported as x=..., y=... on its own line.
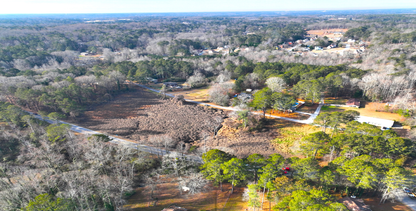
x=333, y=100
x=200, y=94
x=367, y=111
x=290, y=135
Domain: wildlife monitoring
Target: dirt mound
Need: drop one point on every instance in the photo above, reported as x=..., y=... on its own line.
x=180, y=121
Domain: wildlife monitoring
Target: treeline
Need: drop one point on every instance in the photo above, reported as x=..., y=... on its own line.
x=301, y=183
x=147, y=35
x=170, y=69
x=300, y=80
x=351, y=138
x=67, y=91
x=364, y=160
x=57, y=170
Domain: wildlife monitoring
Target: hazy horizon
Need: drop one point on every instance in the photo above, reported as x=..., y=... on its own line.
x=188, y=6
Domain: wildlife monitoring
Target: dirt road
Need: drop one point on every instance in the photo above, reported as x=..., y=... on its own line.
x=116, y=140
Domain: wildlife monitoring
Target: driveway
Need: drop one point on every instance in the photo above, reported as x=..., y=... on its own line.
x=411, y=203
x=307, y=121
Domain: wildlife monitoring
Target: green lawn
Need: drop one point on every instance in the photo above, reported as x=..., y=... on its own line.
x=331, y=108
x=332, y=100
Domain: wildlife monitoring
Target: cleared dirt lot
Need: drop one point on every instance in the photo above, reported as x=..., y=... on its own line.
x=141, y=115
x=327, y=32
x=117, y=115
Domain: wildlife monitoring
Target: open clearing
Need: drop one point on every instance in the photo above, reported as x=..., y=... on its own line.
x=290, y=136
x=140, y=114
x=387, y=206
x=276, y=136
x=168, y=194
x=121, y=110
x=369, y=109
x=327, y=32
x=200, y=95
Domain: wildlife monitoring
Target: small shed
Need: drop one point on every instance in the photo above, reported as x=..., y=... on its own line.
x=353, y=102
x=383, y=123
x=354, y=204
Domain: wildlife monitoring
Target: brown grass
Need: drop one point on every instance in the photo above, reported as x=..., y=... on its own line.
x=388, y=206
x=308, y=108
x=369, y=110
x=168, y=194
x=335, y=100
x=292, y=115
x=326, y=32
x=194, y=94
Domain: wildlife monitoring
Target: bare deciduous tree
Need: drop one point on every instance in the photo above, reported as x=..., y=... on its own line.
x=276, y=84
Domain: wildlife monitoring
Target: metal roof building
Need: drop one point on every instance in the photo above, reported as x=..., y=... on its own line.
x=383, y=123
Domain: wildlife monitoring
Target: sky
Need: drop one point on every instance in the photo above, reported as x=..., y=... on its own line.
x=162, y=6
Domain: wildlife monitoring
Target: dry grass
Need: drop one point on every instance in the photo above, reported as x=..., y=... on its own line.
x=292, y=115
x=168, y=194
x=388, y=206
x=334, y=100
x=308, y=108
x=327, y=32
x=369, y=110
x=194, y=94
x=290, y=135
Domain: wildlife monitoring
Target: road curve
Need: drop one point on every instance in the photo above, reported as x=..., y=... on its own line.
x=307, y=121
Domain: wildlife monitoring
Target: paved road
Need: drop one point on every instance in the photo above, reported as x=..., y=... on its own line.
x=307, y=121
x=411, y=203
x=116, y=140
